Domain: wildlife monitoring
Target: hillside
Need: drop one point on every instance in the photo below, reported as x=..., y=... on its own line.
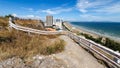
x=72, y=57
x=15, y=43
x=36, y=24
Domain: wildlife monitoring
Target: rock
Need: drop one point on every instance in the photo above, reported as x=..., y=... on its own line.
x=52, y=62
x=13, y=63
x=37, y=62
x=38, y=57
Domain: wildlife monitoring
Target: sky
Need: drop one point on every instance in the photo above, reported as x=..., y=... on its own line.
x=68, y=10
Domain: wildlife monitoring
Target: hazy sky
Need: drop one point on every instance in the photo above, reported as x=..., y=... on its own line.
x=70, y=10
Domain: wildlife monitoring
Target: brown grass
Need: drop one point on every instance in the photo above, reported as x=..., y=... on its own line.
x=21, y=44
x=3, y=21
x=36, y=24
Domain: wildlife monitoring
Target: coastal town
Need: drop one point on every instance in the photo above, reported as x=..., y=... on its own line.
x=55, y=23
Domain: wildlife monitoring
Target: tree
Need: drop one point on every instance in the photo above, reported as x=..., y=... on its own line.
x=7, y=16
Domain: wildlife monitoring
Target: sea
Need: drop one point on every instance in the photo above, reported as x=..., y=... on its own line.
x=108, y=29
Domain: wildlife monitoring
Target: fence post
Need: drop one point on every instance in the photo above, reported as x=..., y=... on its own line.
x=9, y=25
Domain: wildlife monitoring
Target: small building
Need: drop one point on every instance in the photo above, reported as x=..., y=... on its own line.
x=58, y=24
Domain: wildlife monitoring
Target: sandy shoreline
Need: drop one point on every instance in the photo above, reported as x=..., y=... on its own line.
x=92, y=33
x=95, y=34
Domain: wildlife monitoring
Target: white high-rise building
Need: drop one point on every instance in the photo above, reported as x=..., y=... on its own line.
x=49, y=21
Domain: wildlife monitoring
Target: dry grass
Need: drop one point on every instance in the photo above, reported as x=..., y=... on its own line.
x=17, y=43
x=3, y=21
x=36, y=24
x=23, y=45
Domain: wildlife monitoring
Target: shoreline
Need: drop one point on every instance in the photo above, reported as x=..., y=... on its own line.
x=93, y=33
x=97, y=34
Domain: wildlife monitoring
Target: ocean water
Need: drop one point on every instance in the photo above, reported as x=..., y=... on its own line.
x=109, y=29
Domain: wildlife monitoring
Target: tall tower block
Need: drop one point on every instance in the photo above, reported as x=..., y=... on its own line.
x=49, y=21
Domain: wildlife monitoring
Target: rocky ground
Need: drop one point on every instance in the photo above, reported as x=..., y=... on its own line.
x=72, y=57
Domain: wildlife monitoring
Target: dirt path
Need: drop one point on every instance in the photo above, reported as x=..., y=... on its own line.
x=76, y=57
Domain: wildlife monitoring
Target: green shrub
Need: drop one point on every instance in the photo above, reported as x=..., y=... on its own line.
x=109, y=43
x=112, y=44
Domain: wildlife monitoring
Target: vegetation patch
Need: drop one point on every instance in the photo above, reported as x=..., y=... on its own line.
x=36, y=24
x=25, y=46
x=108, y=42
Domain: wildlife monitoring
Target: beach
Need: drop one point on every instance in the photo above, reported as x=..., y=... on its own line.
x=94, y=34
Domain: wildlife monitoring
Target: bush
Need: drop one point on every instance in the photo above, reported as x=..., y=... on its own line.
x=112, y=45
x=58, y=46
x=109, y=43
x=5, y=39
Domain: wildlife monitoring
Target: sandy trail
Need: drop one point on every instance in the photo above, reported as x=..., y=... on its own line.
x=77, y=57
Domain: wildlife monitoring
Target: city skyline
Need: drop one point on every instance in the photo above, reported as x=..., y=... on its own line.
x=68, y=10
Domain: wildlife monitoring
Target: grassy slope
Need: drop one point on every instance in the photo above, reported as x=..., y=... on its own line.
x=36, y=24
x=18, y=43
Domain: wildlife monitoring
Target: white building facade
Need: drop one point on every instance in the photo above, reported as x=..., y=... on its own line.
x=49, y=20
x=58, y=23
